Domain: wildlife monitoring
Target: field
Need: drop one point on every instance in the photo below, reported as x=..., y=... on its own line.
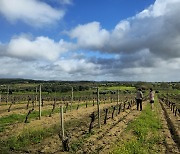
x=103, y=120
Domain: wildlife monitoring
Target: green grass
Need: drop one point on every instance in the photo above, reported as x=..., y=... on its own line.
x=146, y=134
x=7, y=120
x=26, y=138
x=77, y=144
x=117, y=88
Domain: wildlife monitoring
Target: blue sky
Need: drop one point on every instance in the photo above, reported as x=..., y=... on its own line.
x=107, y=12
x=90, y=39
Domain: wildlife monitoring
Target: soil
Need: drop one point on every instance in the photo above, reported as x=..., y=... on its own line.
x=46, y=121
x=21, y=108
x=102, y=139
x=170, y=122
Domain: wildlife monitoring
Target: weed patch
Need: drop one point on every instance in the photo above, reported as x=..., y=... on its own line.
x=145, y=134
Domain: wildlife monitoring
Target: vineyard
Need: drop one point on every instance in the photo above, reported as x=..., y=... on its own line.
x=98, y=120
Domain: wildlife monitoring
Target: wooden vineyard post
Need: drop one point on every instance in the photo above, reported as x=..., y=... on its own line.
x=36, y=97
x=62, y=122
x=117, y=96
x=65, y=140
x=0, y=98
x=7, y=95
x=71, y=98
x=39, y=102
x=98, y=108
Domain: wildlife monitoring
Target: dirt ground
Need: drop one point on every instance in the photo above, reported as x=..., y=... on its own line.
x=22, y=108
x=46, y=121
x=170, y=144
x=102, y=139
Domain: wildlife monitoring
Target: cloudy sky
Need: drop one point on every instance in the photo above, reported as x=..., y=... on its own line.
x=120, y=40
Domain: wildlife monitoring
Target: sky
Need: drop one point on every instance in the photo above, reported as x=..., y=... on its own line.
x=101, y=40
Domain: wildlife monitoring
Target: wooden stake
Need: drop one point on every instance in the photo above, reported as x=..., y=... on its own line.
x=62, y=122
x=71, y=97
x=36, y=97
x=98, y=108
x=117, y=96
x=7, y=95
x=39, y=102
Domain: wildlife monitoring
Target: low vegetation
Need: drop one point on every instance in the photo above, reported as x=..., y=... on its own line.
x=143, y=135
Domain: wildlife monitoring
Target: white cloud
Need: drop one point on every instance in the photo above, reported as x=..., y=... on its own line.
x=68, y=69
x=90, y=35
x=74, y=66
x=156, y=28
x=147, y=46
x=41, y=48
x=32, y=12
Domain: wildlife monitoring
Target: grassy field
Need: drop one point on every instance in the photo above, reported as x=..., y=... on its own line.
x=118, y=88
x=144, y=135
